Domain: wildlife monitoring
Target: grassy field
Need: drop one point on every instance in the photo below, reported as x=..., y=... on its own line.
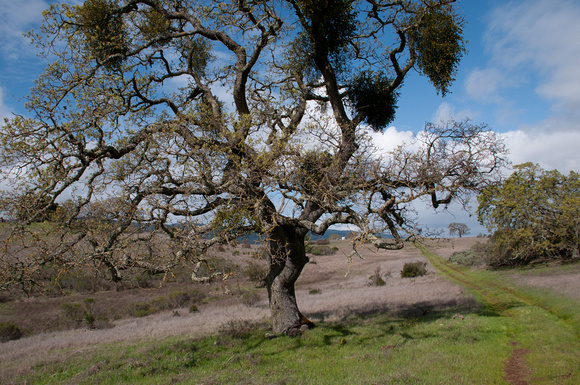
x=518, y=335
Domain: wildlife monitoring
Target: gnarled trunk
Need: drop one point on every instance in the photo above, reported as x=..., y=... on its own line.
x=286, y=259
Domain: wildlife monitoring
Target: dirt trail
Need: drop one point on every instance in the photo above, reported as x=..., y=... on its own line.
x=516, y=369
x=498, y=298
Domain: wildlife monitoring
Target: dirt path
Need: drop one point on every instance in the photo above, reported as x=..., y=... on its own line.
x=516, y=369
x=499, y=298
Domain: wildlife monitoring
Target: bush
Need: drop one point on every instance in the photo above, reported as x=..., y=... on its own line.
x=323, y=250
x=250, y=298
x=414, y=269
x=183, y=298
x=84, y=312
x=466, y=258
x=256, y=272
x=9, y=332
x=143, y=309
x=376, y=279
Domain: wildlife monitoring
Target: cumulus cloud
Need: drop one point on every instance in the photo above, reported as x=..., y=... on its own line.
x=552, y=150
x=391, y=138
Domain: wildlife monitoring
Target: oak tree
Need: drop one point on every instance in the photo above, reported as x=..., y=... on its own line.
x=230, y=117
x=460, y=229
x=534, y=216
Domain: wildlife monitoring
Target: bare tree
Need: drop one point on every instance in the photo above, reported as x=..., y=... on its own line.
x=460, y=229
x=235, y=117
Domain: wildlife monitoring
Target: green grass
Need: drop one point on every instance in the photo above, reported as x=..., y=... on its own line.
x=439, y=348
x=545, y=325
x=379, y=350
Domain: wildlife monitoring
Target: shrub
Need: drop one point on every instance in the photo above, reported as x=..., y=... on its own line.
x=161, y=302
x=144, y=280
x=180, y=299
x=466, y=258
x=414, y=269
x=376, y=279
x=143, y=309
x=322, y=242
x=323, y=250
x=84, y=312
x=9, y=332
x=250, y=298
x=256, y=272
x=72, y=312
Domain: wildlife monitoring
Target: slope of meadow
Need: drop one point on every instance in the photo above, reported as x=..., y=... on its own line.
x=429, y=329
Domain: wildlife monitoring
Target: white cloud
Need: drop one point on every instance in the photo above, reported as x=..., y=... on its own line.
x=446, y=112
x=4, y=109
x=18, y=17
x=391, y=138
x=542, y=36
x=552, y=150
x=483, y=85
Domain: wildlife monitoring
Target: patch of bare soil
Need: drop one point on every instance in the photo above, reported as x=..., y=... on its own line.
x=516, y=369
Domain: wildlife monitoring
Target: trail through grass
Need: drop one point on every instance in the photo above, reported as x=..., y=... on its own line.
x=543, y=326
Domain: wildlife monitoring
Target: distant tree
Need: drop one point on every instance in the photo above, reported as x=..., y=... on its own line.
x=460, y=229
x=534, y=215
x=235, y=117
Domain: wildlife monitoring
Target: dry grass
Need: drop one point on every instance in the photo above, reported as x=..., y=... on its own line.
x=562, y=279
x=342, y=291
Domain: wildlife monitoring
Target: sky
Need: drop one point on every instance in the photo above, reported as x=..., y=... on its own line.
x=520, y=76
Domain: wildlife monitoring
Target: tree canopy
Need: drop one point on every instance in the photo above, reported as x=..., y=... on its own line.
x=534, y=216
x=232, y=117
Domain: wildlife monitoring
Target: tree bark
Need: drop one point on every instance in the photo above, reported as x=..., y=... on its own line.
x=286, y=259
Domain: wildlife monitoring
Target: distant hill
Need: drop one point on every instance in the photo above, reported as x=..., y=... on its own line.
x=255, y=238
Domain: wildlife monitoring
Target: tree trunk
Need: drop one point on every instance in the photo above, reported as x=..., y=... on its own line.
x=286, y=259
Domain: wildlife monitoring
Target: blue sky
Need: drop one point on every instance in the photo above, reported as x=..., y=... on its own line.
x=521, y=76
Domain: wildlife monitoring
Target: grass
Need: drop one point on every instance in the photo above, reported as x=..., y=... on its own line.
x=546, y=326
x=378, y=350
x=438, y=348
